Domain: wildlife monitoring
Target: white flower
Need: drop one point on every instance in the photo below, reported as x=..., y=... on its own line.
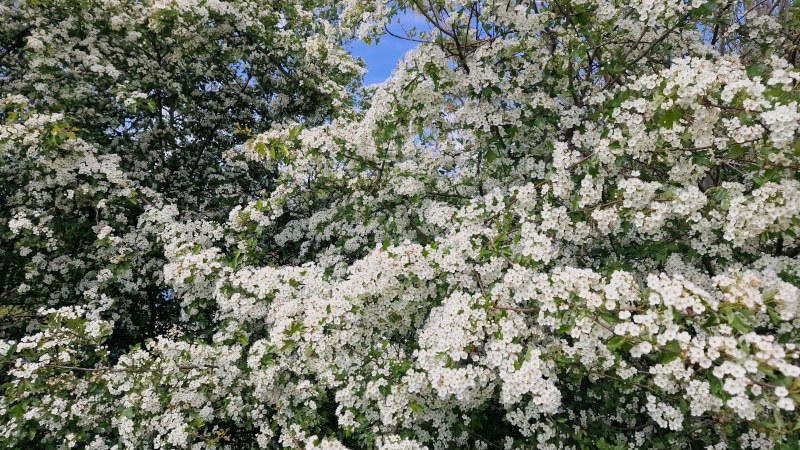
x=785, y=403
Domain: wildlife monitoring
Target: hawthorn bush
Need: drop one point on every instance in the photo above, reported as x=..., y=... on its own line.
x=558, y=225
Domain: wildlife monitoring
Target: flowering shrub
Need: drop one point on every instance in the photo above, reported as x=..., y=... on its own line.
x=557, y=225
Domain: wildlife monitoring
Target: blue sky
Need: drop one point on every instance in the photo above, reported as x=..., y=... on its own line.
x=382, y=58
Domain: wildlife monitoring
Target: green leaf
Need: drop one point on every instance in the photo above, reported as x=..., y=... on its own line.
x=737, y=150
x=776, y=414
x=288, y=344
x=768, y=176
x=490, y=155
x=668, y=357
x=610, y=318
x=769, y=294
x=704, y=10
x=757, y=70
x=197, y=422
x=669, y=117
x=673, y=346
x=736, y=322
x=616, y=342
x=260, y=148
x=774, y=317
x=583, y=18
x=671, y=352
x=715, y=385
x=701, y=158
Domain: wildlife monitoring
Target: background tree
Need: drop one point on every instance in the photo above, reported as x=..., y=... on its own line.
x=157, y=94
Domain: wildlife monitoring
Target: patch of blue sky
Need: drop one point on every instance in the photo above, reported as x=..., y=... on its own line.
x=381, y=58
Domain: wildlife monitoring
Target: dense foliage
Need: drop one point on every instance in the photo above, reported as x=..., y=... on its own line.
x=568, y=224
